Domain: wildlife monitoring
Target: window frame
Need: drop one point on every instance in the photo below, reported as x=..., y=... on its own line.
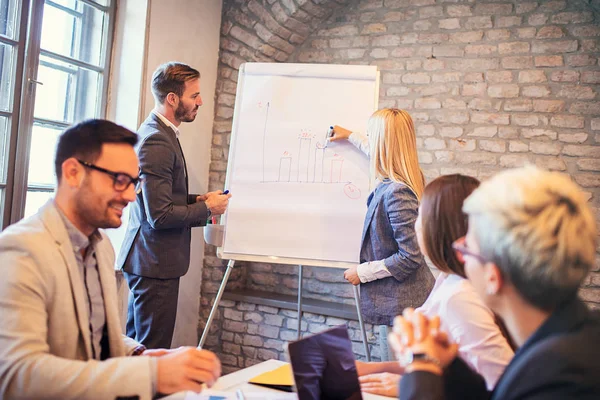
x=22, y=120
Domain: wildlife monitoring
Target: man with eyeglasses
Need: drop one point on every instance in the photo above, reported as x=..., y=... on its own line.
x=60, y=333
x=156, y=248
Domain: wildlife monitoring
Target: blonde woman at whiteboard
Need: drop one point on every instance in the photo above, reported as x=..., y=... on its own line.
x=392, y=272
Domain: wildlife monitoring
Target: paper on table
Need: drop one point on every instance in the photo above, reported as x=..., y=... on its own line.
x=248, y=395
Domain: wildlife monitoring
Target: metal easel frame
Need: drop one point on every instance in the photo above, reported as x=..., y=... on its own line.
x=230, y=266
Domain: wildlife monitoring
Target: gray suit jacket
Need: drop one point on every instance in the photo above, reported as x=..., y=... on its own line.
x=157, y=242
x=44, y=331
x=389, y=234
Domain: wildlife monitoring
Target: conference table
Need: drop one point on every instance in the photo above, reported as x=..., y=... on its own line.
x=239, y=380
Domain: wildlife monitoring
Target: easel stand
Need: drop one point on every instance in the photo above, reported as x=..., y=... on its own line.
x=215, y=307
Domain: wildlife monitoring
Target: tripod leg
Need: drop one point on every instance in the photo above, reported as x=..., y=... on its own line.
x=215, y=306
x=299, y=301
x=361, y=323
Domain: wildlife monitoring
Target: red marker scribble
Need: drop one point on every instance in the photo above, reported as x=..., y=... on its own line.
x=352, y=191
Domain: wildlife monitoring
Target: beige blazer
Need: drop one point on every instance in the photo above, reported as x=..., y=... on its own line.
x=45, y=349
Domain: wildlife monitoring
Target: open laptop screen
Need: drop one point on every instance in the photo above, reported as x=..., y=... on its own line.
x=324, y=367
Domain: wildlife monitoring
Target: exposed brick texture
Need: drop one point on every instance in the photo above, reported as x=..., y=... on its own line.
x=491, y=84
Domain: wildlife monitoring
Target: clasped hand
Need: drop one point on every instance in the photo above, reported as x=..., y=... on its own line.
x=422, y=335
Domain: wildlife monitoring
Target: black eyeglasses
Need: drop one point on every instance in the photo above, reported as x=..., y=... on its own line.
x=460, y=246
x=121, y=180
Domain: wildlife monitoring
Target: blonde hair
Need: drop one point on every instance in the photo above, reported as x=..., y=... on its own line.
x=394, y=149
x=537, y=227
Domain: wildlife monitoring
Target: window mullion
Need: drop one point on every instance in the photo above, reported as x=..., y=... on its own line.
x=15, y=113
x=109, y=24
x=28, y=89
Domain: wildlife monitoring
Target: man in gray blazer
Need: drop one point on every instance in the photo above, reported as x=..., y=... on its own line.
x=156, y=248
x=60, y=334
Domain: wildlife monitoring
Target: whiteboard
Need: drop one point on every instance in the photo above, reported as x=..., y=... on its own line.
x=297, y=199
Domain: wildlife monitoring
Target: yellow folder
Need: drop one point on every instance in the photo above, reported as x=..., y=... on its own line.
x=280, y=378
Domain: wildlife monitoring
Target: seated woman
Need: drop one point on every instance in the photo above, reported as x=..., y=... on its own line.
x=530, y=244
x=465, y=317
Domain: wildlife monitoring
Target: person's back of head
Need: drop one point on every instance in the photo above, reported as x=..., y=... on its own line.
x=442, y=221
x=537, y=227
x=394, y=148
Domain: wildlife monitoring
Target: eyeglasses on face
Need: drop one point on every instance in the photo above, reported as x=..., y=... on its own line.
x=460, y=245
x=121, y=180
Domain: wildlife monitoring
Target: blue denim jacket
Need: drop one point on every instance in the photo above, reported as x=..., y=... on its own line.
x=389, y=235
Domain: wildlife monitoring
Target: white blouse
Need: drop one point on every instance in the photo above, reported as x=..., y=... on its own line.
x=469, y=322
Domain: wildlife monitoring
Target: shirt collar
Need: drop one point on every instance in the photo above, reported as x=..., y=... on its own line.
x=78, y=240
x=167, y=122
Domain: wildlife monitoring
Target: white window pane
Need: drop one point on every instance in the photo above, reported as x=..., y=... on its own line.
x=8, y=18
x=6, y=76
x=76, y=32
x=69, y=93
x=41, y=155
x=35, y=200
x=4, y=126
x=57, y=31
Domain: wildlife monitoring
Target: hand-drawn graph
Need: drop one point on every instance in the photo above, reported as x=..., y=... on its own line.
x=310, y=161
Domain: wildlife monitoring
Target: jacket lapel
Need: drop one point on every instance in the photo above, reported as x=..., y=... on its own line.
x=372, y=206
x=173, y=136
x=56, y=227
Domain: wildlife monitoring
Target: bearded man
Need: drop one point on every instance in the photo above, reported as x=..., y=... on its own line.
x=156, y=248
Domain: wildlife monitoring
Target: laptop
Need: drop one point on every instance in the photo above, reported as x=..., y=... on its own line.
x=323, y=366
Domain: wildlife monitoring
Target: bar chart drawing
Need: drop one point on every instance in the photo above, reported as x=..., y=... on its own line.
x=302, y=158
x=336, y=170
x=285, y=169
x=312, y=163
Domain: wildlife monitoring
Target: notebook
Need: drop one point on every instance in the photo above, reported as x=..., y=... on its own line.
x=280, y=378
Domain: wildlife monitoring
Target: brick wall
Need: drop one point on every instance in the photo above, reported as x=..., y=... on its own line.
x=490, y=84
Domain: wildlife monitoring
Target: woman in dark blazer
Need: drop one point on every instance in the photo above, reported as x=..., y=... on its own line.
x=392, y=272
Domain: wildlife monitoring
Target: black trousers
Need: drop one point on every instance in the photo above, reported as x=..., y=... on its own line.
x=152, y=310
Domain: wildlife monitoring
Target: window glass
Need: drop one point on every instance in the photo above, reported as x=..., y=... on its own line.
x=6, y=76
x=8, y=18
x=35, y=200
x=69, y=93
x=41, y=155
x=74, y=29
x=4, y=124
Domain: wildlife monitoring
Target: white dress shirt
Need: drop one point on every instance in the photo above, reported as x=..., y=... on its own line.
x=167, y=122
x=470, y=324
x=360, y=141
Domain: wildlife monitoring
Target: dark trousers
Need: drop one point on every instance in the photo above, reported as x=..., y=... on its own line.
x=152, y=310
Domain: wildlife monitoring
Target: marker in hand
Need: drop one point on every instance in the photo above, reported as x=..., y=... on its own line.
x=329, y=134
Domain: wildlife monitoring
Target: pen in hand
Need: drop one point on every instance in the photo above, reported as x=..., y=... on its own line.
x=240, y=395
